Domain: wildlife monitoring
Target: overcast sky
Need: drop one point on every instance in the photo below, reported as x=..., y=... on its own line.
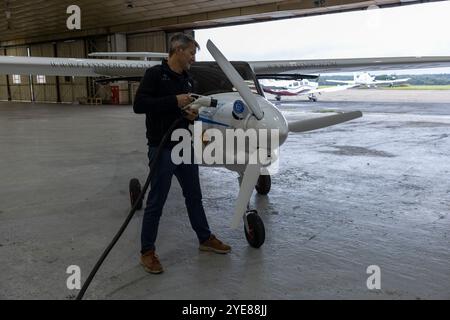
x=412, y=30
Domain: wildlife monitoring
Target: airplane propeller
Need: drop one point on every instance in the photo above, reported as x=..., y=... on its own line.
x=253, y=171
x=248, y=182
x=236, y=80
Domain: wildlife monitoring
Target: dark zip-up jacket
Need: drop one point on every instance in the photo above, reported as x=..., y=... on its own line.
x=156, y=98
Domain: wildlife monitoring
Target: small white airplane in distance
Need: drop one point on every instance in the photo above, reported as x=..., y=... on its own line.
x=366, y=80
x=303, y=87
x=237, y=108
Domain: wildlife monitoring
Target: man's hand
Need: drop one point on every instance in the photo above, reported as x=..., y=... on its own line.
x=184, y=100
x=190, y=114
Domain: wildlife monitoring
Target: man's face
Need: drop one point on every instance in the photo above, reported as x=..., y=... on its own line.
x=186, y=57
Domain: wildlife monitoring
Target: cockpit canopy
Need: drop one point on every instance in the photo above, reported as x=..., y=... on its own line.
x=210, y=79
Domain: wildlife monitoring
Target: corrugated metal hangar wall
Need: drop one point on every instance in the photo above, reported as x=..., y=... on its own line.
x=74, y=89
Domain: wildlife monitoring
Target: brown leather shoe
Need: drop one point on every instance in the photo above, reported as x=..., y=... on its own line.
x=215, y=245
x=150, y=262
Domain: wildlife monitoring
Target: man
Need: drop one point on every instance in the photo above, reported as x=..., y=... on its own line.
x=161, y=95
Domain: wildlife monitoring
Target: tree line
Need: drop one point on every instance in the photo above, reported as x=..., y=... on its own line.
x=415, y=79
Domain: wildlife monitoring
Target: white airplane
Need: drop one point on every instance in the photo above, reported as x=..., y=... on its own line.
x=366, y=80
x=238, y=108
x=303, y=87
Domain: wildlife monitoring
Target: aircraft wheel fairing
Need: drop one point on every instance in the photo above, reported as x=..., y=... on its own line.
x=263, y=184
x=135, y=191
x=256, y=233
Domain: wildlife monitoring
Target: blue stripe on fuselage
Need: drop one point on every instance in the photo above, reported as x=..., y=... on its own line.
x=206, y=120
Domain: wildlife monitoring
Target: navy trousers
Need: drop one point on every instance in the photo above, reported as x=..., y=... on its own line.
x=188, y=177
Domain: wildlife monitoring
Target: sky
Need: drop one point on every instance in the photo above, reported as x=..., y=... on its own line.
x=412, y=30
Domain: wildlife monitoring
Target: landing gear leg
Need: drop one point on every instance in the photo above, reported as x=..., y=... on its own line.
x=254, y=229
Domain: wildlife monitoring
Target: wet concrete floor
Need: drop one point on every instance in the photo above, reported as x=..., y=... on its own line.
x=373, y=191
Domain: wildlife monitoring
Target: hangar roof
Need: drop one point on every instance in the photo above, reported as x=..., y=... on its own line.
x=28, y=21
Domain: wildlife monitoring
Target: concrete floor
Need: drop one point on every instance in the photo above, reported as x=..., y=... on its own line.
x=374, y=191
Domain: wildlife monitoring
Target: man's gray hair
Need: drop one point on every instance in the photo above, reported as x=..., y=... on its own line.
x=181, y=40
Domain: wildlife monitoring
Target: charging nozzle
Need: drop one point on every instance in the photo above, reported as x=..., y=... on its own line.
x=201, y=101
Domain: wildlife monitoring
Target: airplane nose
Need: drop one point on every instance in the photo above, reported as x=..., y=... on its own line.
x=272, y=120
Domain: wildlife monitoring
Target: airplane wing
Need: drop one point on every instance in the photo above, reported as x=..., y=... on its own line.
x=130, y=54
x=330, y=89
x=132, y=68
x=390, y=81
x=283, y=91
x=73, y=67
x=286, y=76
x=349, y=65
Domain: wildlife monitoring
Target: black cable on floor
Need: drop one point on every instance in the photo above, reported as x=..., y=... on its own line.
x=132, y=211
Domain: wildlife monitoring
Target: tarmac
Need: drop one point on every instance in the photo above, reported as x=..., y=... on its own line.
x=371, y=192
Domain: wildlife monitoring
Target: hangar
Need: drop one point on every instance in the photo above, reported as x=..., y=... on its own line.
x=65, y=177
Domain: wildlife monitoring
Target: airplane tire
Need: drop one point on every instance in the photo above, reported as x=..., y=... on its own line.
x=135, y=191
x=263, y=184
x=278, y=98
x=256, y=234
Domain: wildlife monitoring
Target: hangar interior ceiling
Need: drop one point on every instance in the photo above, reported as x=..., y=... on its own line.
x=28, y=21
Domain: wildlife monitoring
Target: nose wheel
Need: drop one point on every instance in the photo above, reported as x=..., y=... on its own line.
x=255, y=232
x=135, y=191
